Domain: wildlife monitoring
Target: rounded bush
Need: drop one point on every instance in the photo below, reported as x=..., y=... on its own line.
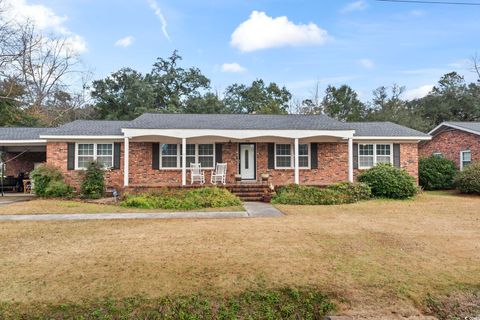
x=43, y=176
x=436, y=173
x=468, y=180
x=389, y=182
x=58, y=189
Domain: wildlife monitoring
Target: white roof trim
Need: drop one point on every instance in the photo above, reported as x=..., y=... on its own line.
x=392, y=138
x=236, y=134
x=454, y=127
x=32, y=142
x=78, y=137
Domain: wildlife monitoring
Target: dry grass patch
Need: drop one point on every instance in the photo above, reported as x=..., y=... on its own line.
x=379, y=256
x=54, y=206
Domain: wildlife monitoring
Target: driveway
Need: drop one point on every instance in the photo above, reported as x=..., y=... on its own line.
x=10, y=198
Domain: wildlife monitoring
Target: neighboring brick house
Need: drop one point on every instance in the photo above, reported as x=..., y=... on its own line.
x=147, y=152
x=456, y=141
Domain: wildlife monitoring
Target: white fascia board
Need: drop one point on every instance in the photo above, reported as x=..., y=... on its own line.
x=454, y=127
x=236, y=134
x=48, y=137
x=394, y=138
x=23, y=142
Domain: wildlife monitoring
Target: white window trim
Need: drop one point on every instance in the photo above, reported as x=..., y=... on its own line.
x=179, y=158
x=461, y=157
x=374, y=154
x=94, y=152
x=437, y=154
x=292, y=157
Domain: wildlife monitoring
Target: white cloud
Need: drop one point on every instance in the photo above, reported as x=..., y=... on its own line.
x=260, y=31
x=233, y=67
x=45, y=19
x=366, y=63
x=125, y=42
x=419, y=92
x=354, y=6
x=158, y=12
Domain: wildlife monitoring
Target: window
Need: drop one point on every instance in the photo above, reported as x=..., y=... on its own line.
x=465, y=158
x=88, y=152
x=284, y=156
x=206, y=155
x=303, y=156
x=371, y=154
x=384, y=153
x=171, y=155
x=438, y=154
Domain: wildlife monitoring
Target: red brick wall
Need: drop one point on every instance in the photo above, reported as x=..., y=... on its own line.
x=408, y=159
x=23, y=163
x=332, y=165
x=450, y=142
x=57, y=156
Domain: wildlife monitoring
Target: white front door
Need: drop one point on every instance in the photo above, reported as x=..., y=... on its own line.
x=247, y=161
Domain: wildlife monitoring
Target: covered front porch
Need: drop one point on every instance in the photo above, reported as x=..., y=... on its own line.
x=154, y=157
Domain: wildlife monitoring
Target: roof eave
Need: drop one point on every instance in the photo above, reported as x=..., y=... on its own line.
x=446, y=124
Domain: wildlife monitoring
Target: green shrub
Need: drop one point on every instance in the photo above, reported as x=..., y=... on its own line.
x=93, y=185
x=43, y=176
x=303, y=195
x=357, y=191
x=436, y=173
x=468, y=180
x=387, y=181
x=183, y=199
x=58, y=189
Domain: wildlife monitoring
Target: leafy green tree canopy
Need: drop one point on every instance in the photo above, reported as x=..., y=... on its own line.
x=343, y=104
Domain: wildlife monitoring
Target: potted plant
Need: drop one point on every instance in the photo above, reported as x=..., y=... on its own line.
x=265, y=176
x=267, y=196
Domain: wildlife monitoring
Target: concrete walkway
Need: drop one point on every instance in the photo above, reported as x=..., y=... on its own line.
x=253, y=209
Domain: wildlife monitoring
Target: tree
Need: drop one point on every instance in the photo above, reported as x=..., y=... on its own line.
x=257, y=98
x=124, y=95
x=343, y=104
x=208, y=103
x=451, y=100
x=11, y=113
x=174, y=85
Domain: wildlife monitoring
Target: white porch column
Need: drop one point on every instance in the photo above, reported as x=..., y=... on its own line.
x=350, y=159
x=296, y=163
x=184, y=161
x=125, y=161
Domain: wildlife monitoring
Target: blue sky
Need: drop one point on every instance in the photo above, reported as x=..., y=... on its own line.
x=295, y=43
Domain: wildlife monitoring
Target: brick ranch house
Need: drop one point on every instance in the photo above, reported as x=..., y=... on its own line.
x=147, y=152
x=456, y=141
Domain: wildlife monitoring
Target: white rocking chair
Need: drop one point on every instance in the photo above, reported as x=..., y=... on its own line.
x=220, y=174
x=196, y=173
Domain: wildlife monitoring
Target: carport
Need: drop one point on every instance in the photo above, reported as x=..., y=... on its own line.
x=21, y=151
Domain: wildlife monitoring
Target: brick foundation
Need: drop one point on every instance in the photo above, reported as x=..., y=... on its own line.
x=450, y=143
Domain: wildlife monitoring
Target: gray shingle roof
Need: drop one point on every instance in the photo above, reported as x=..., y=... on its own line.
x=236, y=122
x=472, y=126
x=383, y=129
x=90, y=128
x=16, y=133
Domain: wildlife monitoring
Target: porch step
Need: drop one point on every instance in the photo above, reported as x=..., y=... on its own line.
x=249, y=192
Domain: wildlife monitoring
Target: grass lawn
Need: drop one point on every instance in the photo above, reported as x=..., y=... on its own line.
x=41, y=206
x=380, y=258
